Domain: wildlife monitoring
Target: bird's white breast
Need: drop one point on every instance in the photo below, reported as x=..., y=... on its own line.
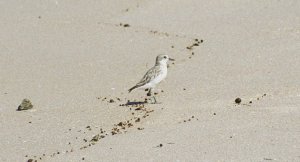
x=162, y=75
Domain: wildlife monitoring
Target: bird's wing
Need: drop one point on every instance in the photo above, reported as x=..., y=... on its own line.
x=149, y=76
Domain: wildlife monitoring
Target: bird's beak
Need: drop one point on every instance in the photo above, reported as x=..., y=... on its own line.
x=171, y=59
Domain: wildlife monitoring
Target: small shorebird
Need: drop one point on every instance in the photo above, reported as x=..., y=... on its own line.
x=154, y=75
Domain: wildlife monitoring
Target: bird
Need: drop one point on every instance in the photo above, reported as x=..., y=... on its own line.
x=154, y=75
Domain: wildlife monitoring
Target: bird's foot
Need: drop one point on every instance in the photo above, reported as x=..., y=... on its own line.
x=154, y=101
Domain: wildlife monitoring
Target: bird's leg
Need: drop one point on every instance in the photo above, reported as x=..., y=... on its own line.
x=155, y=102
x=149, y=92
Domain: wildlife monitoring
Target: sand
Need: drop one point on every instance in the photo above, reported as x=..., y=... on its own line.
x=70, y=58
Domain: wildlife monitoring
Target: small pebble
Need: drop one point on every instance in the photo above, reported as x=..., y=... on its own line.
x=25, y=105
x=126, y=25
x=238, y=100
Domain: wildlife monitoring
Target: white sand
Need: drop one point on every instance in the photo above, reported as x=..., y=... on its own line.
x=76, y=53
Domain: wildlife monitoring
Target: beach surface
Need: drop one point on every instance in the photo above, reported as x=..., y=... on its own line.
x=76, y=60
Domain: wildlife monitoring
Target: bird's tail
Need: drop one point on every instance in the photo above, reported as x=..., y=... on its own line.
x=134, y=87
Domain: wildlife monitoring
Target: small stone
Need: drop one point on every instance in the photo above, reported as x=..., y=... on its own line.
x=238, y=100
x=138, y=120
x=196, y=44
x=111, y=101
x=215, y=113
x=126, y=25
x=30, y=160
x=139, y=108
x=160, y=145
x=25, y=105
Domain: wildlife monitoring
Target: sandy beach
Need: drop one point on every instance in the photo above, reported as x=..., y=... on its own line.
x=76, y=60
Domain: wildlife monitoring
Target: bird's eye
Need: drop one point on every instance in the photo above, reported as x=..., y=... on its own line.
x=165, y=57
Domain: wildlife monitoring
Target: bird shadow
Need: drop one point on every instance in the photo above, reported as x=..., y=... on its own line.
x=132, y=103
x=138, y=103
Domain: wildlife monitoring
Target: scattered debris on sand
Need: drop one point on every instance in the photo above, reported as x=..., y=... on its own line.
x=238, y=100
x=196, y=43
x=125, y=25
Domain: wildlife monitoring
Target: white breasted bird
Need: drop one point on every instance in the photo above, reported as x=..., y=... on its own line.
x=154, y=75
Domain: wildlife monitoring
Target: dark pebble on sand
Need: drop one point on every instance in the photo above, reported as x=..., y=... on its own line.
x=111, y=101
x=126, y=25
x=138, y=120
x=238, y=100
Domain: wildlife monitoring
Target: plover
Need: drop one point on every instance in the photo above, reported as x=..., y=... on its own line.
x=154, y=75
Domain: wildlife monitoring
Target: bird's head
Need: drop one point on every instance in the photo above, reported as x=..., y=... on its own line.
x=163, y=59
